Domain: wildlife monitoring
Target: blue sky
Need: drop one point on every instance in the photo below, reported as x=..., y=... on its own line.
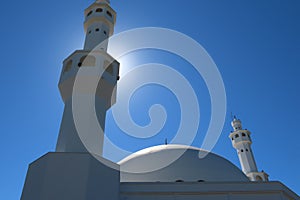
x=255, y=45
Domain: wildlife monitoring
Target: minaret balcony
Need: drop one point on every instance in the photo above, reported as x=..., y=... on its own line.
x=99, y=61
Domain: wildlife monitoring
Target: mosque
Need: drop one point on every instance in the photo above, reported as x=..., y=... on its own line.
x=76, y=171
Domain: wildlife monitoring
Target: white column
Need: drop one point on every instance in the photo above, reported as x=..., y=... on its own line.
x=241, y=141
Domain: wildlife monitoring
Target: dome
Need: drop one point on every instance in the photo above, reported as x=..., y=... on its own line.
x=171, y=163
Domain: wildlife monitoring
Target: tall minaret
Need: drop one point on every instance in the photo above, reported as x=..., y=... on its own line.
x=99, y=24
x=77, y=170
x=241, y=141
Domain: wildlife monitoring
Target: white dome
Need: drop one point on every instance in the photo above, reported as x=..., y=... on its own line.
x=170, y=163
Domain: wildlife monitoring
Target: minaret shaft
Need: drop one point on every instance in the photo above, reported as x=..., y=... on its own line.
x=246, y=158
x=73, y=140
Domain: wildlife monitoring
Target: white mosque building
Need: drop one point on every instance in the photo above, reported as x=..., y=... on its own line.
x=75, y=172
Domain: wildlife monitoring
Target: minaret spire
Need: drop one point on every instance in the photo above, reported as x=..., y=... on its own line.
x=241, y=141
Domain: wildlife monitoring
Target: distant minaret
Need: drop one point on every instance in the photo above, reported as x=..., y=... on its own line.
x=241, y=141
x=99, y=24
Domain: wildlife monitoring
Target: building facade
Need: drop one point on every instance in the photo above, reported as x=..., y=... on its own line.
x=77, y=170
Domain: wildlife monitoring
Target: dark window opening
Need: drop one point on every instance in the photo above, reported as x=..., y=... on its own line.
x=247, y=150
x=99, y=10
x=242, y=150
x=104, y=32
x=109, y=13
x=232, y=138
x=200, y=181
x=89, y=13
x=179, y=181
x=90, y=32
x=97, y=29
x=237, y=135
x=243, y=134
x=258, y=178
x=87, y=61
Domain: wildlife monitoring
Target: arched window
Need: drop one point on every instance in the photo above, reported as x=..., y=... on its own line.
x=99, y=10
x=109, y=13
x=109, y=68
x=237, y=135
x=68, y=66
x=87, y=61
x=89, y=13
x=243, y=134
x=258, y=178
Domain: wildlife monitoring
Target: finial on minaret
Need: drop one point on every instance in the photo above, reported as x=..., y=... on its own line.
x=103, y=1
x=231, y=115
x=241, y=141
x=236, y=123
